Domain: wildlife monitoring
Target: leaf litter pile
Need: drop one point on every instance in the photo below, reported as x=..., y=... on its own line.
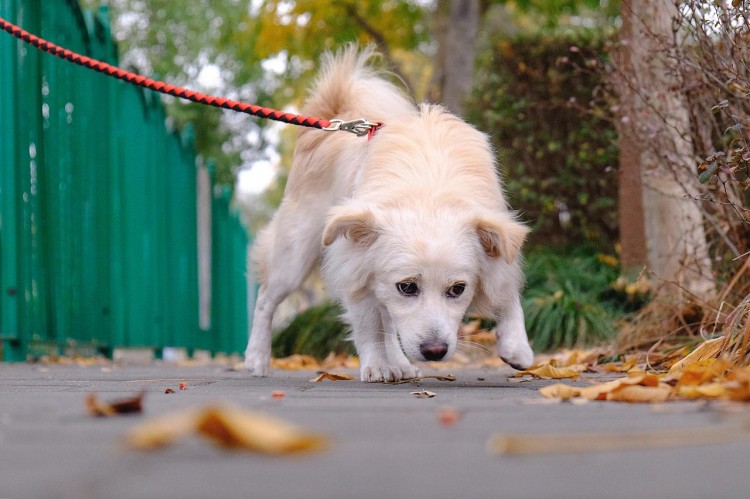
x=702, y=374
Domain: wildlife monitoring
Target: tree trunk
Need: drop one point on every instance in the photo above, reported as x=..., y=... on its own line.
x=656, y=142
x=456, y=26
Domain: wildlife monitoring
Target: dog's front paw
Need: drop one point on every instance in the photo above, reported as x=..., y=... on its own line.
x=376, y=373
x=517, y=354
x=257, y=363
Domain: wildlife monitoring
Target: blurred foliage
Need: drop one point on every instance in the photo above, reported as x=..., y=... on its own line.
x=295, y=34
x=537, y=96
x=317, y=331
x=574, y=298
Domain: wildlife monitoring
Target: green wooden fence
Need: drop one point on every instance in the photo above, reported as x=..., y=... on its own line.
x=98, y=207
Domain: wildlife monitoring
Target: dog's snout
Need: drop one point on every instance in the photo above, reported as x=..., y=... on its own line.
x=433, y=350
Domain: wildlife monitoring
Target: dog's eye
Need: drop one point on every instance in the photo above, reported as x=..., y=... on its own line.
x=456, y=290
x=408, y=288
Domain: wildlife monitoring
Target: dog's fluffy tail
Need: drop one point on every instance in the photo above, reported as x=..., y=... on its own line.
x=349, y=87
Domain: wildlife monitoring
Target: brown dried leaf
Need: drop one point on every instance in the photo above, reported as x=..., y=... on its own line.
x=739, y=391
x=711, y=390
x=132, y=405
x=529, y=444
x=163, y=430
x=424, y=394
x=338, y=361
x=559, y=391
x=227, y=426
x=331, y=376
x=621, y=367
x=547, y=371
x=639, y=394
x=703, y=371
x=706, y=350
x=602, y=390
x=296, y=362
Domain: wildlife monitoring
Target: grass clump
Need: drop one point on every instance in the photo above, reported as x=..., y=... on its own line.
x=570, y=300
x=317, y=331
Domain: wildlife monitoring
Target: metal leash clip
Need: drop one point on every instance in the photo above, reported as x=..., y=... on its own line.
x=360, y=127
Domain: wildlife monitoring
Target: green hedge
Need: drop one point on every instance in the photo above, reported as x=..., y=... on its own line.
x=536, y=97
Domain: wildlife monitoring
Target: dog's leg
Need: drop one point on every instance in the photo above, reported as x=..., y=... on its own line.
x=258, y=351
x=512, y=343
x=371, y=343
x=397, y=361
x=295, y=252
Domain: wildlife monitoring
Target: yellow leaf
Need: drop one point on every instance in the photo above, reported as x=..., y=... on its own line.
x=639, y=394
x=296, y=362
x=600, y=391
x=703, y=371
x=162, y=431
x=641, y=378
x=559, y=391
x=711, y=390
x=548, y=371
x=227, y=426
x=738, y=391
x=621, y=367
x=706, y=350
x=331, y=376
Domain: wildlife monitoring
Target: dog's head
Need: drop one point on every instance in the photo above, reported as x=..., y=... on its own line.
x=425, y=267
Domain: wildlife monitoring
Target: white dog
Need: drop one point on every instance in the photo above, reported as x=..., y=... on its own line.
x=411, y=226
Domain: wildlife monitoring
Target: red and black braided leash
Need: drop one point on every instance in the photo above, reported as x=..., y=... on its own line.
x=359, y=127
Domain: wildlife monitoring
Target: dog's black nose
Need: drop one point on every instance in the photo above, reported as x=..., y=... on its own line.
x=433, y=350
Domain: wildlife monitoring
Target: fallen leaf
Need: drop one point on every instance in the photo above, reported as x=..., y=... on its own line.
x=296, y=362
x=449, y=416
x=227, y=426
x=424, y=394
x=548, y=371
x=707, y=349
x=559, y=391
x=528, y=444
x=169, y=390
x=620, y=367
x=703, y=371
x=600, y=391
x=162, y=430
x=739, y=391
x=132, y=405
x=342, y=360
x=639, y=394
x=331, y=376
x=711, y=390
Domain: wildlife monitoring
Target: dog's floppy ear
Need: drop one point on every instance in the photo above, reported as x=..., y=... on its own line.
x=356, y=224
x=501, y=236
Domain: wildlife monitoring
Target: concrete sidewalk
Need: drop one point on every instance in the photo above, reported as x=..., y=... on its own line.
x=386, y=443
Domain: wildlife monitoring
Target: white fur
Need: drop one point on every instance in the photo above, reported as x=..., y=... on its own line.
x=421, y=201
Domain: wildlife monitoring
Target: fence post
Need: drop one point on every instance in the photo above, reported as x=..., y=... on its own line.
x=11, y=346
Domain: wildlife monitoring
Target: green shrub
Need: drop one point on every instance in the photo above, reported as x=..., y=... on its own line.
x=536, y=97
x=317, y=331
x=569, y=299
